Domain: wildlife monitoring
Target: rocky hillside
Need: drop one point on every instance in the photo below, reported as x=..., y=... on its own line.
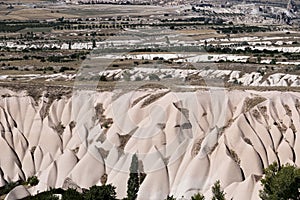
x=184, y=141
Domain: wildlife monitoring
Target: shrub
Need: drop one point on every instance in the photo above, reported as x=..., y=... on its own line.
x=217, y=191
x=8, y=187
x=49, y=68
x=33, y=180
x=71, y=194
x=198, y=196
x=103, y=78
x=25, y=57
x=234, y=156
x=63, y=69
x=280, y=182
x=273, y=62
x=48, y=195
x=104, y=192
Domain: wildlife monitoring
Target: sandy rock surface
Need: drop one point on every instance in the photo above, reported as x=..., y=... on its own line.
x=184, y=141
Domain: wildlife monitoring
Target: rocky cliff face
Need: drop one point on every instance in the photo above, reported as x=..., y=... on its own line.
x=184, y=141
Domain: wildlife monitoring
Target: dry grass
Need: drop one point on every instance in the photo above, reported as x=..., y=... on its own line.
x=196, y=147
x=252, y=102
x=37, y=64
x=263, y=111
x=152, y=98
x=255, y=113
x=23, y=1
x=72, y=125
x=287, y=110
x=25, y=13
x=103, y=179
x=161, y=125
x=234, y=156
x=136, y=101
x=297, y=104
x=104, y=122
x=210, y=150
x=281, y=127
x=292, y=126
x=123, y=140
x=198, y=32
x=59, y=128
x=103, y=152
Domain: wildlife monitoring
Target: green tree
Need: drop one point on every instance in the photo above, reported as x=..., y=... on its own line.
x=258, y=59
x=218, y=193
x=273, y=62
x=71, y=194
x=8, y=187
x=198, y=196
x=94, y=43
x=104, y=192
x=133, y=181
x=33, y=180
x=280, y=183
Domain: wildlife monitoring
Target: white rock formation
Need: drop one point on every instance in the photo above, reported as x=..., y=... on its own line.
x=185, y=141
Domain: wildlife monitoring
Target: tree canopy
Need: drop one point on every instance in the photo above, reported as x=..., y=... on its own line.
x=281, y=182
x=218, y=193
x=133, y=181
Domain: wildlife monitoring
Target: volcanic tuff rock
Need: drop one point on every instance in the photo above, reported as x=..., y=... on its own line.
x=184, y=141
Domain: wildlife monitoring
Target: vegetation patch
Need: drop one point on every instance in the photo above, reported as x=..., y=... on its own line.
x=251, y=102
x=152, y=98
x=280, y=182
x=234, y=156
x=288, y=111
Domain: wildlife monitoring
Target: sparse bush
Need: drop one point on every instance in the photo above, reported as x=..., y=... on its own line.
x=33, y=180
x=234, y=156
x=251, y=102
x=59, y=128
x=72, y=125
